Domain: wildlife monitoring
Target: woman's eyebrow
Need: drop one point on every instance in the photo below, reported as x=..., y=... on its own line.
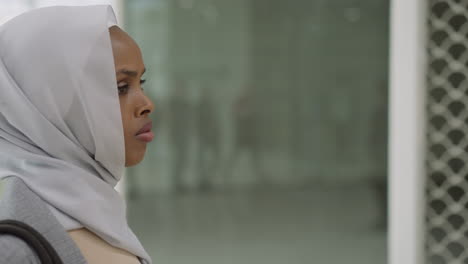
x=130, y=73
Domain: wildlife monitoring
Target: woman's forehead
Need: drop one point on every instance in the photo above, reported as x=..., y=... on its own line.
x=125, y=50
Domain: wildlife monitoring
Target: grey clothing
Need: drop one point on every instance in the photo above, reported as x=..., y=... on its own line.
x=21, y=204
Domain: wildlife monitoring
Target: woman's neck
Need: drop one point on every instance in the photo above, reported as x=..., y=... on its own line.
x=96, y=250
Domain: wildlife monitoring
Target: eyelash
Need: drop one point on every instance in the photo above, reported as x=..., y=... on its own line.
x=126, y=87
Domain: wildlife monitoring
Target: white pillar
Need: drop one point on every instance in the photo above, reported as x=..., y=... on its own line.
x=407, y=131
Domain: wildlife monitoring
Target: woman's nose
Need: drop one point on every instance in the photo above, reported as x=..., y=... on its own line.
x=146, y=107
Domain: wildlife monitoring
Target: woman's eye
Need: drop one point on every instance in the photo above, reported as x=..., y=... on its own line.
x=123, y=89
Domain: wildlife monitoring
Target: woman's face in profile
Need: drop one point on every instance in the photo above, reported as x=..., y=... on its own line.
x=135, y=106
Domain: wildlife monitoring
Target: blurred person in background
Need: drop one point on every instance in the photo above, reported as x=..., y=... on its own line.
x=180, y=127
x=246, y=138
x=73, y=115
x=209, y=139
x=379, y=135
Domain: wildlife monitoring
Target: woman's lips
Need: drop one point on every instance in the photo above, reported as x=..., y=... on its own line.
x=145, y=134
x=145, y=137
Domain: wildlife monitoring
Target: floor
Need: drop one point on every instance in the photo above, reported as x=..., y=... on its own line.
x=319, y=225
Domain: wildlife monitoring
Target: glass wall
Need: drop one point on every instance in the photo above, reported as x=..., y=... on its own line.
x=271, y=123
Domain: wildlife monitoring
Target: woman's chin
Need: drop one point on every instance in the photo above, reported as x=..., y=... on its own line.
x=135, y=158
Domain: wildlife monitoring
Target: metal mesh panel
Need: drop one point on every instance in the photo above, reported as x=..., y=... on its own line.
x=447, y=160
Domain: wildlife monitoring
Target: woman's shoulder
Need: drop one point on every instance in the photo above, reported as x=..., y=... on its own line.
x=15, y=251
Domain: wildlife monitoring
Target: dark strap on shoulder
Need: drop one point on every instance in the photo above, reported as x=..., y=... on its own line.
x=42, y=247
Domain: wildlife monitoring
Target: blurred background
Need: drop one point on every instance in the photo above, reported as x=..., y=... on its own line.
x=271, y=129
x=271, y=120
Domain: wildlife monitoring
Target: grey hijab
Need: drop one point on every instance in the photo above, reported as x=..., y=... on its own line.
x=60, y=123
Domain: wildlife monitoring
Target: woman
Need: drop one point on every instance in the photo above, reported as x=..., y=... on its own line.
x=72, y=116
